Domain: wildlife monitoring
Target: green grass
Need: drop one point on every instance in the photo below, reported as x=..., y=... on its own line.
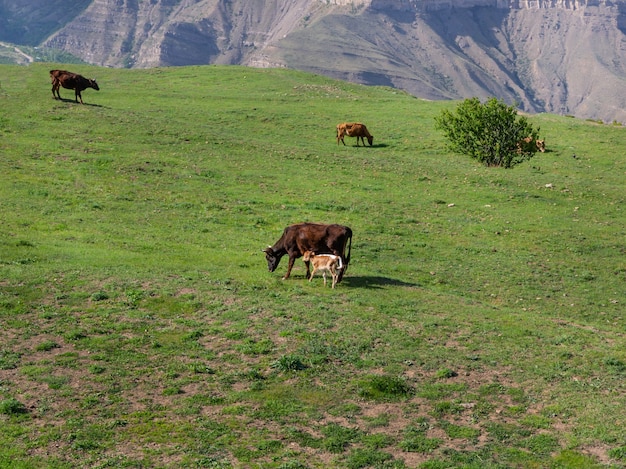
x=480, y=323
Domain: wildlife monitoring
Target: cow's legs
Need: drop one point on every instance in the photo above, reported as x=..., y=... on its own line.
x=334, y=275
x=55, y=87
x=289, y=267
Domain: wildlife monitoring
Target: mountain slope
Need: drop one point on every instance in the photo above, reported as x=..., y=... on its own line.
x=552, y=56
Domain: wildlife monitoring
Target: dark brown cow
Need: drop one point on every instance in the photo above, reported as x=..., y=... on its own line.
x=354, y=129
x=71, y=81
x=315, y=237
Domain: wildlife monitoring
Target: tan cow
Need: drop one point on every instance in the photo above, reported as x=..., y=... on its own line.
x=530, y=145
x=324, y=263
x=541, y=145
x=354, y=129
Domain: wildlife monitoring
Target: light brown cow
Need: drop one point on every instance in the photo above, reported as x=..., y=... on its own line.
x=324, y=263
x=342, y=130
x=529, y=144
x=354, y=129
x=541, y=145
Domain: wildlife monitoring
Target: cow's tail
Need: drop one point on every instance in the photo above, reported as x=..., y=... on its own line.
x=347, y=263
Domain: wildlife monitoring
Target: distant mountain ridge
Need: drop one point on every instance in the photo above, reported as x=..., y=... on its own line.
x=560, y=56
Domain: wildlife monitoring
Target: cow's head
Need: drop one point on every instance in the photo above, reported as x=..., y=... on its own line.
x=541, y=145
x=272, y=258
x=94, y=85
x=370, y=140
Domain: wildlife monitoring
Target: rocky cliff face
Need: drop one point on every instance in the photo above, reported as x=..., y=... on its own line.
x=562, y=56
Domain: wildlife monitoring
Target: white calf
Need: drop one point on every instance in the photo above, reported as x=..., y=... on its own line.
x=324, y=263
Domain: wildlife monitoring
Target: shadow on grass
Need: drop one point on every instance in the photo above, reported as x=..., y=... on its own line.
x=374, y=281
x=376, y=145
x=73, y=101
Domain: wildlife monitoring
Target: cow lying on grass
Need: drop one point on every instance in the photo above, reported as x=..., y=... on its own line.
x=71, y=81
x=324, y=263
x=354, y=129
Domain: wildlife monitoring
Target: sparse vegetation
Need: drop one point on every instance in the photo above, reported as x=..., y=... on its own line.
x=480, y=323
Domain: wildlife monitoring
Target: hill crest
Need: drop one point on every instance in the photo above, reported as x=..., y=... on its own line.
x=531, y=52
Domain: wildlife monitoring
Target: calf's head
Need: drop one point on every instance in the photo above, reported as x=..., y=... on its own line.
x=370, y=140
x=94, y=85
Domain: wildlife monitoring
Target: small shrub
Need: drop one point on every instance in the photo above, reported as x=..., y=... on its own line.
x=55, y=382
x=254, y=347
x=96, y=369
x=445, y=373
x=377, y=440
x=446, y=408
x=337, y=437
x=489, y=132
x=12, y=407
x=384, y=387
x=289, y=363
x=134, y=297
x=46, y=346
x=75, y=335
x=8, y=360
x=99, y=296
x=192, y=336
x=616, y=366
x=172, y=391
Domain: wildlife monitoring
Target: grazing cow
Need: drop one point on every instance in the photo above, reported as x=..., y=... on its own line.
x=299, y=238
x=324, y=263
x=342, y=130
x=530, y=145
x=354, y=129
x=71, y=81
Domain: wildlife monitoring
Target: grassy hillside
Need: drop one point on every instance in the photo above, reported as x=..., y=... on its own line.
x=480, y=325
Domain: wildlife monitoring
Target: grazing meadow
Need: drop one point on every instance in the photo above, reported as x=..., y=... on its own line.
x=480, y=323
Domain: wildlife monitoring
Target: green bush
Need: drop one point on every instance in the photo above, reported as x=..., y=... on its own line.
x=492, y=132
